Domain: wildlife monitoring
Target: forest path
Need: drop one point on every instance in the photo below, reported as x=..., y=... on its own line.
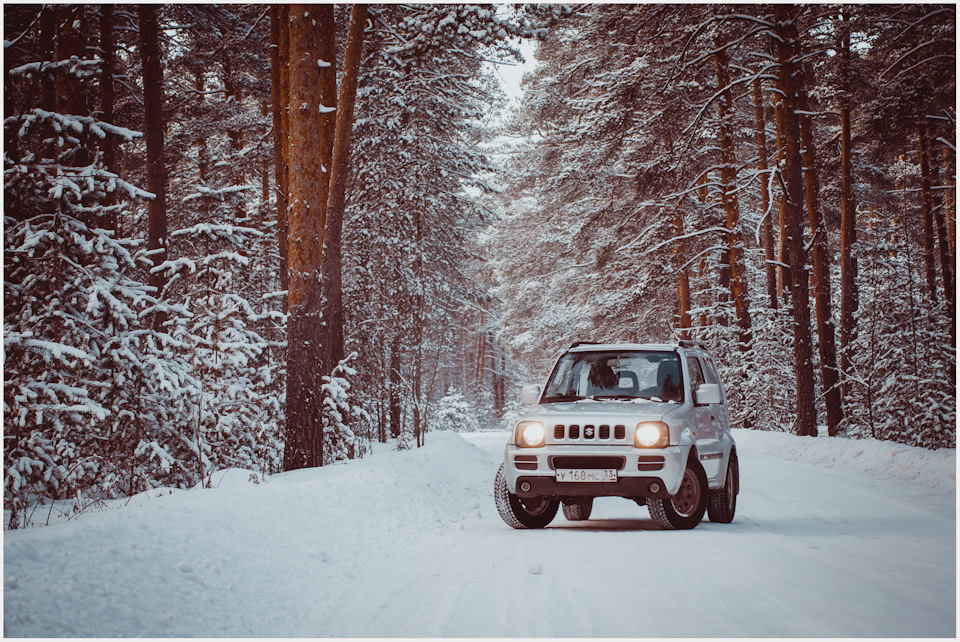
x=410, y=544
x=812, y=552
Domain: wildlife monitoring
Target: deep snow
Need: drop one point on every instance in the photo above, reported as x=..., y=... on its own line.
x=832, y=537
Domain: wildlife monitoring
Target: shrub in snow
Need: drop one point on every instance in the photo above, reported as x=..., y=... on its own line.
x=453, y=412
x=92, y=396
x=902, y=385
x=340, y=441
x=235, y=416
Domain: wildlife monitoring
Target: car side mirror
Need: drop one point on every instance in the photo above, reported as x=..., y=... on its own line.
x=707, y=393
x=529, y=394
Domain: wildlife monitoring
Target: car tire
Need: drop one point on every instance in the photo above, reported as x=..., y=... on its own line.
x=722, y=503
x=522, y=512
x=685, y=509
x=579, y=511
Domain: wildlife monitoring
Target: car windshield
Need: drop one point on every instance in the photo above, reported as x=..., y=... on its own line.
x=619, y=375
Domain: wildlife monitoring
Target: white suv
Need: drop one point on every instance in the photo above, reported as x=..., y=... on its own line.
x=647, y=422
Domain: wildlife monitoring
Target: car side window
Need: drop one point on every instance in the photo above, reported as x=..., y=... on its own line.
x=711, y=370
x=696, y=374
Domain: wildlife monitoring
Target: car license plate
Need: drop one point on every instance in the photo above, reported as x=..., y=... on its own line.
x=591, y=475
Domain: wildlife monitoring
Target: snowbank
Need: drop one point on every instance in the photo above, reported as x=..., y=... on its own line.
x=232, y=559
x=409, y=544
x=936, y=469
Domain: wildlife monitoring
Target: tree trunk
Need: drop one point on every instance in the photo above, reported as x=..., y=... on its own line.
x=395, y=408
x=785, y=35
x=849, y=297
x=821, y=265
x=481, y=350
x=728, y=173
x=153, y=124
x=765, y=209
x=277, y=98
x=683, y=278
x=949, y=203
x=47, y=40
x=418, y=324
x=929, y=257
x=107, y=102
x=71, y=41
x=336, y=201
x=946, y=259
x=311, y=32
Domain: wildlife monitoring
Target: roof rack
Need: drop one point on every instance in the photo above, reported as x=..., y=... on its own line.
x=583, y=343
x=687, y=343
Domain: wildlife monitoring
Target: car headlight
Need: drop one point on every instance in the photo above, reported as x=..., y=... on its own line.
x=530, y=434
x=652, y=434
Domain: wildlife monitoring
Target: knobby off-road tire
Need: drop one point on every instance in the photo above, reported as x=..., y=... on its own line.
x=685, y=509
x=722, y=503
x=579, y=511
x=525, y=512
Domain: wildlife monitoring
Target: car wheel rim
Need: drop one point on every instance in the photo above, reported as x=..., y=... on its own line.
x=535, y=505
x=687, y=499
x=731, y=490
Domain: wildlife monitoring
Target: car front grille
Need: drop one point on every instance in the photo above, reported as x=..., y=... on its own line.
x=589, y=433
x=589, y=462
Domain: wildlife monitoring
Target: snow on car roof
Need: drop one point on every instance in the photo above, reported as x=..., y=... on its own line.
x=592, y=347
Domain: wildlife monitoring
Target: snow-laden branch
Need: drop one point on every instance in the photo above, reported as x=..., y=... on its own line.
x=690, y=235
x=906, y=55
x=916, y=22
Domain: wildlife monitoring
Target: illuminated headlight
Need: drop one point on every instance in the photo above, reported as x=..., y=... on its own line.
x=652, y=434
x=530, y=434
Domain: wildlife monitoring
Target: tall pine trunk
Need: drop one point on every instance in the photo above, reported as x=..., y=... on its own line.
x=946, y=258
x=949, y=203
x=339, y=169
x=311, y=36
x=153, y=133
x=785, y=37
x=849, y=298
x=728, y=174
x=277, y=63
x=766, y=211
x=107, y=101
x=683, y=278
x=821, y=264
x=929, y=252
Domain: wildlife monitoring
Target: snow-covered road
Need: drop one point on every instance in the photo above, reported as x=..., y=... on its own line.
x=410, y=544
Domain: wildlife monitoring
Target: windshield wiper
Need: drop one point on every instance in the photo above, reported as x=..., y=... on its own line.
x=560, y=398
x=615, y=397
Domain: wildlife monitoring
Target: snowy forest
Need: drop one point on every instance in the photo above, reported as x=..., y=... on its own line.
x=265, y=236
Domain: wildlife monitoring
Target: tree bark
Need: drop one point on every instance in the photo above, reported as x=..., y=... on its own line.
x=71, y=42
x=783, y=256
x=107, y=101
x=821, y=264
x=785, y=37
x=336, y=201
x=946, y=259
x=311, y=34
x=929, y=257
x=153, y=133
x=48, y=40
x=949, y=203
x=683, y=278
x=393, y=385
x=765, y=209
x=849, y=298
x=277, y=63
x=728, y=173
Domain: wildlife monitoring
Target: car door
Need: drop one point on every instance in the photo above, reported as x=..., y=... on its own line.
x=708, y=442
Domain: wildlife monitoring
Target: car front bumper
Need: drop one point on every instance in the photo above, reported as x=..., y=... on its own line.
x=641, y=473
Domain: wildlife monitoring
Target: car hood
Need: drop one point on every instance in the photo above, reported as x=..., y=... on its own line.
x=611, y=412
